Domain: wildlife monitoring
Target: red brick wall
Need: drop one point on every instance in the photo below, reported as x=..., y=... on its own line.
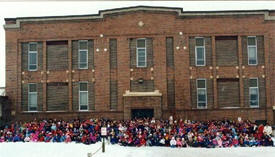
x=158, y=26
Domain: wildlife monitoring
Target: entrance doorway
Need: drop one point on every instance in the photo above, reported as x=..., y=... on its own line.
x=142, y=113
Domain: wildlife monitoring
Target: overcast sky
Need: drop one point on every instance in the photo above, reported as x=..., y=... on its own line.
x=23, y=9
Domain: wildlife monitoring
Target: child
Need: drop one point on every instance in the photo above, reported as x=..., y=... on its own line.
x=179, y=143
x=173, y=142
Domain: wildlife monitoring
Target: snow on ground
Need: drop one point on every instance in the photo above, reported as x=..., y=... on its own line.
x=81, y=150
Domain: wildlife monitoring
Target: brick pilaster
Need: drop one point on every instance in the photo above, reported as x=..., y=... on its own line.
x=70, y=75
x=240, y=57
x=215, y=87
x=44, y=78
x=19, y=80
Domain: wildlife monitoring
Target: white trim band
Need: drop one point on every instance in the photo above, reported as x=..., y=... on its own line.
x=155, y=93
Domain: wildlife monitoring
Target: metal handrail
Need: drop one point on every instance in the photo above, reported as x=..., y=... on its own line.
x=92, y=154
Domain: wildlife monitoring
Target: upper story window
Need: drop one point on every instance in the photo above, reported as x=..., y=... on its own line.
x=141, y=53
x=32, y=97
x=32, y=56
x=83, y=96
x=253, y=92
x=83, y=54
x=200, y=51
x=201, y=93
x=252, y=50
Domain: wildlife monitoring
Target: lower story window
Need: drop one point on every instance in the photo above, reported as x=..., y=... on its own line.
x=32, y=97
x=201, y=93
x=83, y=96
x=254, y=97
x=253, y=93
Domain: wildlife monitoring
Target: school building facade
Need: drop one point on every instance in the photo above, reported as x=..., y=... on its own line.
x=142, y=61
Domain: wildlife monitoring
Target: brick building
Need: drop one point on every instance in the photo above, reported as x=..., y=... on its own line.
x=142, y=61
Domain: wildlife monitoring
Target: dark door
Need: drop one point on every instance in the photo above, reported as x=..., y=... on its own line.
x=142, y=113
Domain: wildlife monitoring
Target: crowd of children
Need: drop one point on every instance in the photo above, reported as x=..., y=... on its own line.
x=142, y=132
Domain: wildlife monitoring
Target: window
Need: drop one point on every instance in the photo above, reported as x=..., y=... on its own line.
x=83, y=96
x=201, y=93
x=141, y=53
x=252, y=50
x=200, y=52
x=83, y=54
x=32, y=56
x=32, y=97
x=253, y=92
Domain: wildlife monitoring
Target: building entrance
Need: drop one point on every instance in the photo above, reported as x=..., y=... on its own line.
x=142, y=113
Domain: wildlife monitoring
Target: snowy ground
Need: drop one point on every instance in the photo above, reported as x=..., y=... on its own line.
x=81, y=150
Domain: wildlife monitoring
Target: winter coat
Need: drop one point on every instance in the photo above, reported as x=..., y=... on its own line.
x=142, y=142
x=267, y=130
x=113, y=140
x=27, y=139
x=53, y=127
x=68, y=139
x=162, y=141
x=235, y=142
x=179, y=143
x=219, y=141
x=16, y=138
x=173, y=142
x=260, y=131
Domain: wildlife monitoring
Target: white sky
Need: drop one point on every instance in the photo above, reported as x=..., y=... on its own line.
x=23, y=9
